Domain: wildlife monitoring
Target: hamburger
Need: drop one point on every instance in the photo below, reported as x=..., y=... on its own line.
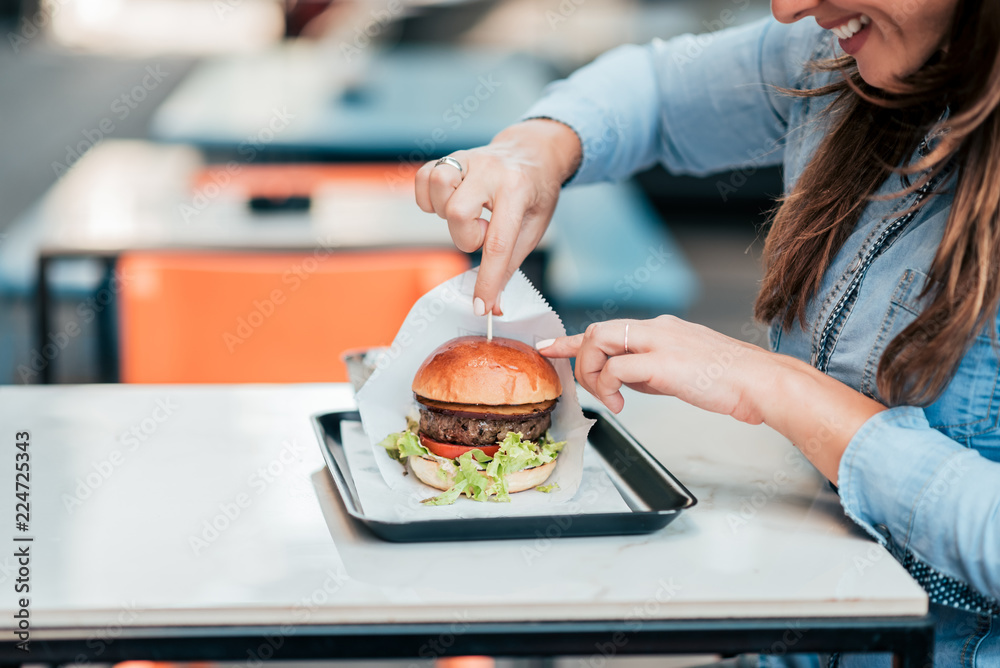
x=485, y=408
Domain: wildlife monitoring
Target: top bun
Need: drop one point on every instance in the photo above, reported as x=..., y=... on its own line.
x=470, y=370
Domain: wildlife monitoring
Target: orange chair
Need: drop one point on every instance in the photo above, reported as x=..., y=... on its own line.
x=233, y=318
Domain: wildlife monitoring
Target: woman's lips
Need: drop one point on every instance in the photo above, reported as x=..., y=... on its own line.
x=850, y=30
x=853, y=44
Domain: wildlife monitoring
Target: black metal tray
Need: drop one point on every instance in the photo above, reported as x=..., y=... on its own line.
x=654, y=496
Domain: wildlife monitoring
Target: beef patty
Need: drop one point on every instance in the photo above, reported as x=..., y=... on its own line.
x=480, y=430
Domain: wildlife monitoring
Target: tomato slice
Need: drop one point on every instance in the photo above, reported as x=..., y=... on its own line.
x=451, y=451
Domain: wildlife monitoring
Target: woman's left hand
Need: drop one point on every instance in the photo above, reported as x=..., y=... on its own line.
x=669, y=356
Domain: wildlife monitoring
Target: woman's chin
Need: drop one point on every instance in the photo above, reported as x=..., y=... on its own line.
x=879, y=77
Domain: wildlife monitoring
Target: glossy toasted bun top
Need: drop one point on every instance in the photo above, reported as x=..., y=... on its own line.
x=470, y=370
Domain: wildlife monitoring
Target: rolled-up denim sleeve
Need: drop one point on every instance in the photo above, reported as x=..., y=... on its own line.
x=695, y=103
x=938, y=499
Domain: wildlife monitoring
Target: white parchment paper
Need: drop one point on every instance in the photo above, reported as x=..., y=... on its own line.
x=443, y=314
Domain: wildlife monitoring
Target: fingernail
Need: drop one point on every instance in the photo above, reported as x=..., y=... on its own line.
x=544, y=343
x=479, y=306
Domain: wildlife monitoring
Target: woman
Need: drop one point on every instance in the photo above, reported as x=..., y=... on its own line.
x=882, y=265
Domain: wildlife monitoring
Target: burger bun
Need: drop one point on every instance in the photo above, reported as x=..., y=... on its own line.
x=427, y=471
x=501, y=372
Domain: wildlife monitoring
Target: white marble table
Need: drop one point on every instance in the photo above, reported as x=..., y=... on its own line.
x=127, y=481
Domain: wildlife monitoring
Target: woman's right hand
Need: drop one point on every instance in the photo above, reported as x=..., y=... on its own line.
x=517, y=178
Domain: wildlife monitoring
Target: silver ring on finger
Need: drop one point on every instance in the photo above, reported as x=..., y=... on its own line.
x=448, y=160
x=627, y=351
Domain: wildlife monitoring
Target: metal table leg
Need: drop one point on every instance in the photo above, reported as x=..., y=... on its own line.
x=917, y=652
x=107, y=331
x=42, y=317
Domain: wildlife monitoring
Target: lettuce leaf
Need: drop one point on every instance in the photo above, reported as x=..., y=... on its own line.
x=479, y=485
x=548, y=489
x=403, y=444
x=446, y=498
x=516, y=455
x=550, y=448
x=470, y=480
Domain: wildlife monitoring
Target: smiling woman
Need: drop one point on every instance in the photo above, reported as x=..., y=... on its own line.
x=891, y=40
x=877, y=130
x=881, y=285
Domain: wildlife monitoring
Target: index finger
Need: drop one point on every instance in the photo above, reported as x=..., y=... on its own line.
x=564, y=346
x=498, y=247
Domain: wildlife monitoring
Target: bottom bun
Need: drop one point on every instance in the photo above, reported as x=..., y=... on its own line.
x=430, y=473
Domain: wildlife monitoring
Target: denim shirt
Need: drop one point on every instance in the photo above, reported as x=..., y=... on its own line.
x=924, y=482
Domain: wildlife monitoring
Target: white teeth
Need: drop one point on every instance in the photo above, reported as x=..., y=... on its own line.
x=852, y=27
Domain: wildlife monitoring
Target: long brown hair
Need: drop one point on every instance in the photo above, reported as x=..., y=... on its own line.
x=873, y=133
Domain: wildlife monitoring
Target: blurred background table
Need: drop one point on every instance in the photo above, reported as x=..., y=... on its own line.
x=163, y=211
x=406, y=104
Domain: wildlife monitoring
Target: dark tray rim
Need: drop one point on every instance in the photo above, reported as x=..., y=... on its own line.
x=585, y=524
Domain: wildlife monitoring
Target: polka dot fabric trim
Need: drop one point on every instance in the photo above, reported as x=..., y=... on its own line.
x=945, y=590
